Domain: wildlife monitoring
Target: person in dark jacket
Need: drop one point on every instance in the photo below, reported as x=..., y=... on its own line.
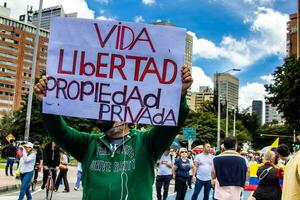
x=229, y=172
x=10, y=154
x=51, y=158
x=268, y=175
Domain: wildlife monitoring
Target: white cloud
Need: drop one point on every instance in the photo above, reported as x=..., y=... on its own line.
x=148, y=2
x=107, y=18
x=20, y=7
x=250, y=92
x=200, y=79
x=269, y=79
x=139, y=19
x=268, y=38
x=102, y=11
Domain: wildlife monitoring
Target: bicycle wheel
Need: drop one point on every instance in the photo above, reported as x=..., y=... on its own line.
x=49, y=189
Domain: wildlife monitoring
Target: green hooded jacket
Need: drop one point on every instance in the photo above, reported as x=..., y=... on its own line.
x=127, y=171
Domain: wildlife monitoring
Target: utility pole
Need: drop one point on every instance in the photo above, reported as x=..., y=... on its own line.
x=226, y=109
x=34, y=59
x=234, y=110
x=219, y=113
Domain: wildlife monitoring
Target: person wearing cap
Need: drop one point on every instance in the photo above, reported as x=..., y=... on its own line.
x=119, y=162
x=181, y=173
x=27, y=162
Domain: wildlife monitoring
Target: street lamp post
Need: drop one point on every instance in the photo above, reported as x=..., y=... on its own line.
x=234, y=110
x=226, y=133
x=219, y=106
x=35, y=54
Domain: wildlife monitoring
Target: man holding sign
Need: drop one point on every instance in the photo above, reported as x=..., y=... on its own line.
x=134, y=77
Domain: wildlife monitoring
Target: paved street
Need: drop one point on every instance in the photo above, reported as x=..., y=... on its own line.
x=40, y=194
x=76, y=195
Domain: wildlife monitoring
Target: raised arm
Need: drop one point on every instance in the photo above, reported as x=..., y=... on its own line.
x=71, y=140
x=161, y=137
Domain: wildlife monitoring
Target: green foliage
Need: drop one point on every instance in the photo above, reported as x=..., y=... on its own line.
x=14, y=122
x=285, y=91
x=263, y=141
x=205, y=123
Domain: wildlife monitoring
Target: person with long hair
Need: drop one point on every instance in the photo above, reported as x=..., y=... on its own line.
x=51, y=159
x=181, y=173
x=268, y=175
x=27, y=163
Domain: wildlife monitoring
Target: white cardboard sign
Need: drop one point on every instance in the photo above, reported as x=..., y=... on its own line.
x=117, y=71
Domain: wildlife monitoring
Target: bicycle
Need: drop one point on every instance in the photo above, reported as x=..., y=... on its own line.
x=49, y=184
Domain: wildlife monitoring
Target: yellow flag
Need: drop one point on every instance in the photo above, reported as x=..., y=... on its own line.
x=275, y=144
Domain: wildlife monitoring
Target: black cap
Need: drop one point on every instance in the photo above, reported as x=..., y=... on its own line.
x=283, y=150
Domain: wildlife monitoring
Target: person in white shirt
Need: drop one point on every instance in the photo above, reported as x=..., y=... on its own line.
x=27, y=163
x=164, y=174
x=203, y=164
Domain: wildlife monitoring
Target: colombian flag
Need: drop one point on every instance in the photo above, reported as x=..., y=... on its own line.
x=253, y=179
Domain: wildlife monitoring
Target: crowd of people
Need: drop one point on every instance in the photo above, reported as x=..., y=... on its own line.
x=32, y=160
x=118, y=163
x=225, y=173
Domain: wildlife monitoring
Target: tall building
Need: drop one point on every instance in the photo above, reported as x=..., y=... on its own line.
x=229, y=89
x=291, y=45
x=47, y=13
x=257, y=109
x=197, y=98
x=188, y=55
x=272, y=115
x=16, y=53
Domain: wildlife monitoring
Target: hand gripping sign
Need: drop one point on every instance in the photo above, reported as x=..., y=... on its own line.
x=116, y=71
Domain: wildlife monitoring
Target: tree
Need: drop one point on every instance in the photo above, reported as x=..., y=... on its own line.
x=205, y=124
x=263, y=141
x=15, y=123
x=285, y=91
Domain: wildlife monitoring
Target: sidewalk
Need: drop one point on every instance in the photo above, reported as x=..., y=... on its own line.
x=9, y=183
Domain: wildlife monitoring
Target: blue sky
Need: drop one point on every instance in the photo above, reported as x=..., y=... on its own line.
x=245, y=34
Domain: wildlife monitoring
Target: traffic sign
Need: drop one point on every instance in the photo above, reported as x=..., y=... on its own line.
x=189, y=134
x=9, y=137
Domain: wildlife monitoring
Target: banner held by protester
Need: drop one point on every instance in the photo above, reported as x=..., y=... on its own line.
x=116, y=71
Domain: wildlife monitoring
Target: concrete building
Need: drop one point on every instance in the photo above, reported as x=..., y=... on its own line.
x=16, y=53
x=197, y=98
x=47, y=13
x=4, y=10
x=229, y=89
x=272, y=115
x=291, y=39
x=257, y=109
x=188, y=56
